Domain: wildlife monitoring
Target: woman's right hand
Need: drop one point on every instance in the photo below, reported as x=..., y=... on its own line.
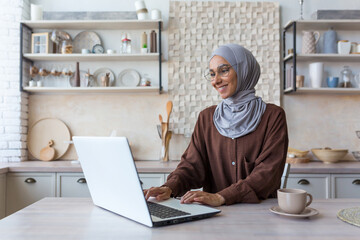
x=161, y=193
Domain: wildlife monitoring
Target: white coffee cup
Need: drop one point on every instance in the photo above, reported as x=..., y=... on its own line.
x=85, y=51
x=293, y=201
x=316, y=72
x=32, y=83
x=110, y=51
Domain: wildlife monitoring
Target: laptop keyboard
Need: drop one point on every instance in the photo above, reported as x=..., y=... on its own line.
x=162, y=211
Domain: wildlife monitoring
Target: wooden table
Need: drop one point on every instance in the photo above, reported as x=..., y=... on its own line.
x=75, y=218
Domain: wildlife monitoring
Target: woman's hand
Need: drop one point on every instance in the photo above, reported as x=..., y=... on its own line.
x=211, y=199
x=161, y=193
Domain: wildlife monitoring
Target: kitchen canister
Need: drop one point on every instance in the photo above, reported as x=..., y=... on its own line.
x=36, y=12
x=316, y=73
x=155, y=14
x=309, y=41
x=153, y=42
x=330, y=41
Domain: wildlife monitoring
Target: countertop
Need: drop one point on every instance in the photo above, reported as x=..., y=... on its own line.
x=348, y=167
x=74, y=218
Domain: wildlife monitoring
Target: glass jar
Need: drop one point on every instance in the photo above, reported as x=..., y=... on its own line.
x=145, y=81
x=346, y=76
x=126, y=45
x=66, y=47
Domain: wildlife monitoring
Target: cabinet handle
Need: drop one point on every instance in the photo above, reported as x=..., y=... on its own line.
x=81, y=180
x=303, y=182
x=356, y=182
x=30, y=180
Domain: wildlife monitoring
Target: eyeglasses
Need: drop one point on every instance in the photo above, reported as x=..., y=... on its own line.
x=222, y=70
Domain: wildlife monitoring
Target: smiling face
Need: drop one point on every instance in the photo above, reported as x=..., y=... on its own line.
x=225, y=85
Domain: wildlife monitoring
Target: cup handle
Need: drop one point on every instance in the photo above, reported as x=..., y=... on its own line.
x=318, y=36
x=310, y=199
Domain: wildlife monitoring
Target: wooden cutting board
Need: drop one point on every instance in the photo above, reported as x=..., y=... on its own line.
x=47, y=153
x=45, y=129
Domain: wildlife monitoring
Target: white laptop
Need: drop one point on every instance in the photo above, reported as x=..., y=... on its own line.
x=114, y=184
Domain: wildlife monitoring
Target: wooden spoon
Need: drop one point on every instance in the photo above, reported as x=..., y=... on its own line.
x=47, y=153
x=169, y=107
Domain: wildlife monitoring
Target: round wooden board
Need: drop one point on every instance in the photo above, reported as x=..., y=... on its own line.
x=44, y=130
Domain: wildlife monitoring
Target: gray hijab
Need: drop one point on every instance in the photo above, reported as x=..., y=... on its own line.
x=239, y=114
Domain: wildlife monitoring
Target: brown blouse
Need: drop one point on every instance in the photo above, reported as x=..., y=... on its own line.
x=245, y=169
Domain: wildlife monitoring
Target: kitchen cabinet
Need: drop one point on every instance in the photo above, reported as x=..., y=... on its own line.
x=71, y=185
x=152, y=179
x=318, y=185
x=291, y=61
x=23, y=189
x=345, y=186
x=27, y=58
x=2, y=195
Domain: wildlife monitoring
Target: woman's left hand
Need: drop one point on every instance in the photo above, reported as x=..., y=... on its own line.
x=211, y=199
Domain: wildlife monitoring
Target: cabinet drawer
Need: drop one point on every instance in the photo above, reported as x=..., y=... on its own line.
x=23, y=189
x=346, y=186
x=152, y=180
x=317, y=185
x=2, y=195
x=71, y=185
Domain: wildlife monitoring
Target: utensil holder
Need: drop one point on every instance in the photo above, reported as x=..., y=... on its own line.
x=164, y=151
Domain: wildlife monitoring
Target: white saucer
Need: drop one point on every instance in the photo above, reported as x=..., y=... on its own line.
x=308, y=212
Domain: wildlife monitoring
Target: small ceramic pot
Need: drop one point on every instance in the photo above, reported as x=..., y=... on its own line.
x=332, y=82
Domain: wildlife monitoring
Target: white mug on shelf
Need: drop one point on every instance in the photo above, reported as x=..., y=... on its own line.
x=316, y=72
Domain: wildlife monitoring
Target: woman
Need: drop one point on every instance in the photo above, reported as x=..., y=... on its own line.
x=238, y=148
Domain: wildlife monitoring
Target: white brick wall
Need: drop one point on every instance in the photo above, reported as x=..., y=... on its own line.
x=13, y=103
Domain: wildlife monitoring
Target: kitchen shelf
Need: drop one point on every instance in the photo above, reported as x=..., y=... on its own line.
x=327, y=90
x=92, y=90
x=91, y=57
x=324, y=57
x=94, y=24
x=324, y=24
x=290, y=60
x=77, y=57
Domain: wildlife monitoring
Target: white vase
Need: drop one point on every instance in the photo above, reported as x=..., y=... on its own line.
x=316, y=72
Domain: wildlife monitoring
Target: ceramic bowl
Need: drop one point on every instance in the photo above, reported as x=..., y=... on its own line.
x=328, y=155
x=297, y=153
x=356, y=155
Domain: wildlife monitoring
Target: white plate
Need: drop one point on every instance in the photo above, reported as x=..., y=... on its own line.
x=308, y=212
x=102, y=72
x=128, y=78
x=85, y=40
